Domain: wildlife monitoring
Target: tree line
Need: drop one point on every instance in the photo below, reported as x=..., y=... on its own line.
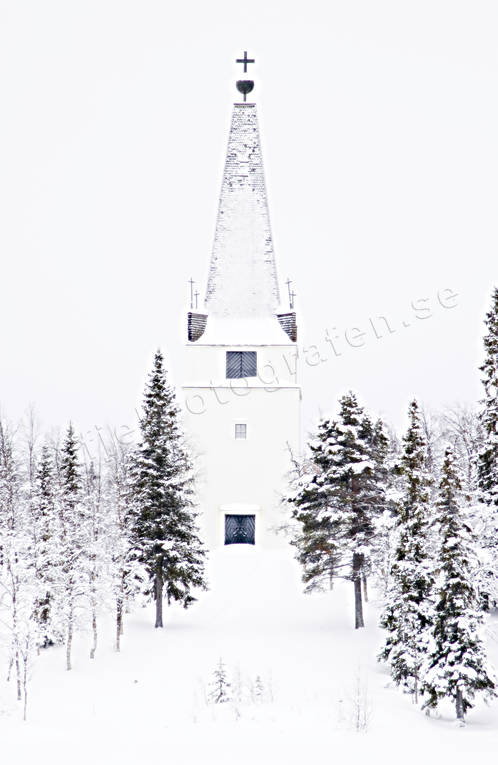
x=82, y=530
x=419, y=516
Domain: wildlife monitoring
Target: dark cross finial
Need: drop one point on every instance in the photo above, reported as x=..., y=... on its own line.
x=245, y=61
x=196, y=299
x=191, y=282
x=245, y=87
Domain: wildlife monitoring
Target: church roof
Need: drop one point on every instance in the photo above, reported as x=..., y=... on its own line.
x=242, y=281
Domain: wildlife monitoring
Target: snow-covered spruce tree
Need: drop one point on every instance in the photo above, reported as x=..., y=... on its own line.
x=487, y=464
x=165, y=535
x=336, y=506
x=317, y=533
x=456, y=666
x=384, y=540
x=488, y=457
x=379, y=448
x=46, y=550
x=407, y=615
x=72, y=572
x=359, y=481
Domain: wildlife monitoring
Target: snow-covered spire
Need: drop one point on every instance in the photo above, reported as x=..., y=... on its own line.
x=242, y=280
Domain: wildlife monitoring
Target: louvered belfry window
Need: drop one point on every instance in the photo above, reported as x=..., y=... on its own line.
x=241, y=364
x=240, y=529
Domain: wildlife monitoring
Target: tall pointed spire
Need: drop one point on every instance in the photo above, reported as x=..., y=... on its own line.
x=242, y=302
x=242, y=279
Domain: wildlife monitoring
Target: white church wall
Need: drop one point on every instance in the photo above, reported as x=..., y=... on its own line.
x=206, y=364
x=245, y=473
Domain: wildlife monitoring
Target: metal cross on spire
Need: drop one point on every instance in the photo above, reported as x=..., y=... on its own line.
x=245, y=61
x=292, y=294
x=245, y=86
x=191, y=282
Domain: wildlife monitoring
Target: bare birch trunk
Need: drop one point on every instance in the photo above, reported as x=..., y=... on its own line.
x=94, y=629
x=25, y=687
x=119, y=622
x=69, y=641
x=18, y=677
x=122, y=600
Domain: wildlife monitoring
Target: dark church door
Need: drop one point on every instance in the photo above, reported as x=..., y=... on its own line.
x=239, y=529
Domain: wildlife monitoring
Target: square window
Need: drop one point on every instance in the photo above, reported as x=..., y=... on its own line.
x=240, y=430
x=241, y=364
x=240, y=529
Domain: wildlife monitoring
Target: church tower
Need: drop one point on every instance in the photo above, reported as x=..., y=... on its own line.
x=241, y=392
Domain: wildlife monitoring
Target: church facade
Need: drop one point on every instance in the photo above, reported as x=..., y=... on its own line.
x=242, y=398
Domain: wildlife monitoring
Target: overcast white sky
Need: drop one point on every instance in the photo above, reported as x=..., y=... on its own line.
x=379, y=125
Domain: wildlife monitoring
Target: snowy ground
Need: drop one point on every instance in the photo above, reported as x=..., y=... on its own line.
x=150, y=700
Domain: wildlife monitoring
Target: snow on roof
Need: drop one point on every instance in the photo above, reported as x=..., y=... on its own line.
x=242, y=278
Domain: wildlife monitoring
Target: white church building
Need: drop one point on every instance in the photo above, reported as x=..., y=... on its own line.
x=242, y=399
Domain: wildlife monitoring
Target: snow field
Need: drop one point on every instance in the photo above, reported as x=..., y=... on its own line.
x=149, y=701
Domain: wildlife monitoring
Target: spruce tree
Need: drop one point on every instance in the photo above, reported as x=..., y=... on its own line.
x=165, y=535
x=73, y=537
x=317, y=534
x=385, y=523
x=336, y=508
x=456, y=667
x=358, y=495
x=487, y=463
x=488, y=457
x=407, y=614
x=46, y=550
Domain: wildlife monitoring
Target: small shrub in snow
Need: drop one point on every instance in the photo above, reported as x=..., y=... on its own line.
x=220, y=689
x=360, y=712
x=258, y=690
